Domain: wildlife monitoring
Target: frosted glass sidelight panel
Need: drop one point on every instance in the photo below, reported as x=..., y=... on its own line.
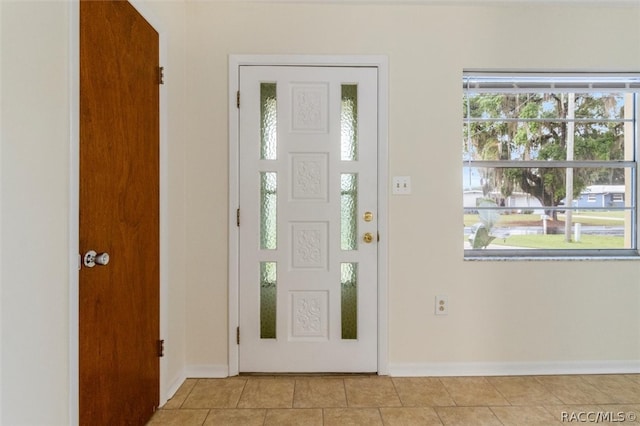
x=268, y=210
x=349, y=211
x=349, y=123
x=268, y=293
x=268, y=121
x=349, y=286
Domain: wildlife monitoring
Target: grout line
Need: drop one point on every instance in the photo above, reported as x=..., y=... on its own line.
x=446, y=389
x=438, y=414
x=346, y=394
x=499, y=393
x=206, y=417
x=397, y=393
x=244, y=386
x=495, y=415
x=188, y=393
x=293, y=397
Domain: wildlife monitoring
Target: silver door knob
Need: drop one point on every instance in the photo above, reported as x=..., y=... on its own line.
x=91, y=258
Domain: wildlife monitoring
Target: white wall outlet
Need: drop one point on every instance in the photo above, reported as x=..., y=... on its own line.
x=442, y=305
x=401, y=185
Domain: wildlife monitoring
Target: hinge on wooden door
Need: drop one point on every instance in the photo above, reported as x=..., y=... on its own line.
x=160, y=348
x=238, y=99
x=238, y=217
x=238, y=335
x=160, y=75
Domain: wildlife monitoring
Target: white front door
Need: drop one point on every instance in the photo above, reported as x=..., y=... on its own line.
x=308, y=219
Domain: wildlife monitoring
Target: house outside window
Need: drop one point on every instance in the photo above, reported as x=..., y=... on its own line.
x=617, y=198
x=531, y=139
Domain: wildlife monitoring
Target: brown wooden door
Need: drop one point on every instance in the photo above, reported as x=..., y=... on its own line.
x=119, y=214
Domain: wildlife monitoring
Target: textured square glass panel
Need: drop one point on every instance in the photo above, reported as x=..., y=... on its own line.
x=268, y=121
x=349, y=211
x=349, y=123
x=268, y=210
x=349, y=286
x=268, y=293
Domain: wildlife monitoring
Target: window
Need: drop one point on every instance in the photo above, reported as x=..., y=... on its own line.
x=541, y=154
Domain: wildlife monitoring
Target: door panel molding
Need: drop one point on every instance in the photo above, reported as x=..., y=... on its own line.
x=381, y=63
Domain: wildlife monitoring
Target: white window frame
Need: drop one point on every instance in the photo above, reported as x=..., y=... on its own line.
x=569, y=82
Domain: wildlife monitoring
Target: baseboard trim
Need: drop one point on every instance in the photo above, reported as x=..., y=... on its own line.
x=173, y=387
x=513, y=368
x=193, y=372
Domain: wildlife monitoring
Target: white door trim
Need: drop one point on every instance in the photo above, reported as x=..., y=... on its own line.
x=381, y=62
x=74, y=205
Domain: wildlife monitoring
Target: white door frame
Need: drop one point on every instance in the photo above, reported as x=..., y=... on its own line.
x=166, y=390
x=380, y=62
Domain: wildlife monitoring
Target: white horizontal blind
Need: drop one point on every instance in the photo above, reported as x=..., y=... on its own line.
x=509, y=82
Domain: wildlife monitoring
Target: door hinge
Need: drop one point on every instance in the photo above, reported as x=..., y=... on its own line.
x=160, y=75
x=238, y=217
x=378, y=236
x=238, y=99
x=238, y=335
x=160, y=348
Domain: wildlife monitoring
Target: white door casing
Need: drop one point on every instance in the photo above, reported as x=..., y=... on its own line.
x=303, y=260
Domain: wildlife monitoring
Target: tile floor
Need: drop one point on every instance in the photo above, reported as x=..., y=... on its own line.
x=373, y=400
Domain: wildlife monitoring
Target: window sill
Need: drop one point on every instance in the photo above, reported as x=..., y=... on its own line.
x=536, y=255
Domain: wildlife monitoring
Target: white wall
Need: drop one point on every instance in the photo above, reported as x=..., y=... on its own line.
x=35, y=198
x=530, y=316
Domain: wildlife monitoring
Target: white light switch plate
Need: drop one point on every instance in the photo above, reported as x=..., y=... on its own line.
x=401, y=185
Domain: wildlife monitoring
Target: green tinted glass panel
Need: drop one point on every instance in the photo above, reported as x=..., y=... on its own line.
x=349, y=286
x=348, y=211
x=268, y=121
x=349, y=123
x=268, y=292
x=268, y=210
